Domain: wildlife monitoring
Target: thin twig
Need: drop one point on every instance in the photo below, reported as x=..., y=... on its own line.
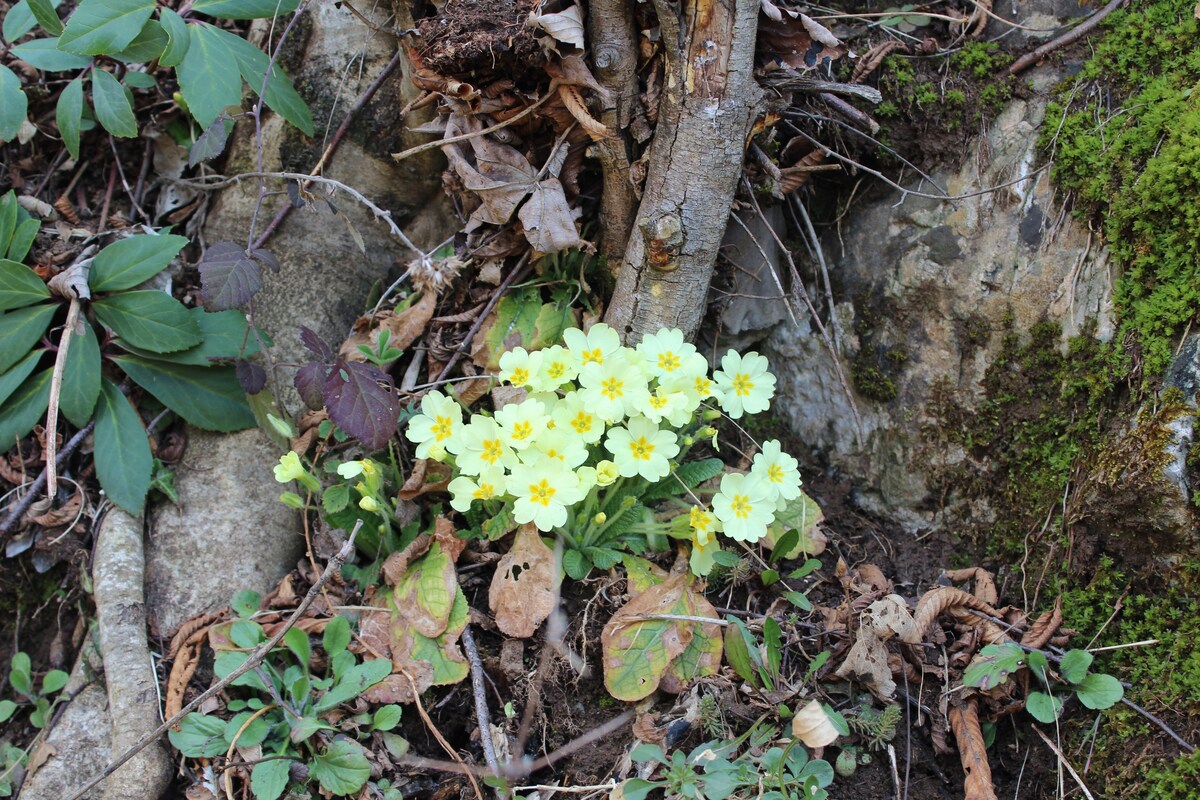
x=1063, y=760
x=482, y=715
x=421, y=148
x=56, y=378
x=1164, y=727
x=27, y=500
x=250, y=663
x=1029, y=59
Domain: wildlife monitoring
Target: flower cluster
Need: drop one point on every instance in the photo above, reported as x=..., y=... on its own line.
x=597, y=412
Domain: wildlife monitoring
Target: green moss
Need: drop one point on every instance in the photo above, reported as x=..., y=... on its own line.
x=981, y=59
x=1138, y=166
x=1176, y=781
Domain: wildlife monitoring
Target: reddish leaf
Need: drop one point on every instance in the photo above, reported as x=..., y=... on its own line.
x=362, y=401
x=228, y=277
x=310, y=383
x=315, y=344
x=251, y=376
x=266, y=257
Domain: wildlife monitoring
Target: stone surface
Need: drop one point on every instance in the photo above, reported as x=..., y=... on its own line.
x=923, y=286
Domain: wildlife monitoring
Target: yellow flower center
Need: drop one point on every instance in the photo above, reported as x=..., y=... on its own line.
x=741, y=506
x=541, y=492
x=485, y=492
x=520, y=376
x=700, y=520
x=641, y=449
x=593, y=356
x=493, y=450
x=742, y=384
x=658, y=403
x=775, y=473
x=557, y=370
x=443, y=427
x=668, y=362
x=613, y=388
x=703, y=386
x=582, y=422
x=522, y=431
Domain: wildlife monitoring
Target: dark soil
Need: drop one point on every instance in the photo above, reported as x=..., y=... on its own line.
x=479, y=41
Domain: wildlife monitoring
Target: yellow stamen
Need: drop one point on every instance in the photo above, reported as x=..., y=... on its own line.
x=741, y=506
x=641, y=449
x=742, y=384
x=541, y=493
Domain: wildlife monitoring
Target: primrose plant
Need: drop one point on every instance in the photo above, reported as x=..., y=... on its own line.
x=598, y=450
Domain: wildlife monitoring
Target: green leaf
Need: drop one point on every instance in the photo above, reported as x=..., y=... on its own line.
x=773, y=642
x=24, y=408
x=13, y=104
x=123, y=459
x=638, y=788
x=20, y=331
x=342, y=769
x=357, y=680
x=178, y=37
x=16, y=376
x=207, y=397
x=20, y=673
x=799, y=600
x=1075, y=665
x=741, y=651
x=45, y=55
x=993, y=664
x=105, y=26
x=337, y=636
x=802, y=515
x=44, y=13
x=132, y=261
x=442, y=651
x=208, y=74
x=68, y=115
x=199, y=736
x=149, y=319
x=245, y=9
x=269, y=779
x=1043, y=707
x=245, y=603
x=8, y=217
x=22, y=240
x=785, y=545
x=19, y=286
x=386, y=718
x=7, y=709
x=17, y=22
x=280, y=95
x=223, y=333
x=146, y=46
x=81, y=376
x=1097, y=690
x=112, y=107
x=299, y=645
x=1038, y=665
x=335, y=498
x=254, y=733
x=139, y=80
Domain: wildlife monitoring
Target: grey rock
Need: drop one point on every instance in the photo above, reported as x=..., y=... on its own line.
x=757, y=303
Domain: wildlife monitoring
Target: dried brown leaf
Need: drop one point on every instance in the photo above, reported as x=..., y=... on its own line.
x=964, y=720
x=867, y=662
x=985, y=584
x=1045, y=627
x=565, y=26
x=426, y=476
x=524, y=590
x=889, y=616
x=574, y=103
x=404, y=328
x=812, y=726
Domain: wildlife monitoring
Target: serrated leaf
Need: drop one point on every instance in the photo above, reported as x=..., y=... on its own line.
x=576, y=564
x=104, y=26
x=68, y=115
x=208, y=75
x=280, y=95
x=150, y=320
x=1074, y=665
x=22, y=240
x=222, y=332
x=199, y=736
x=111, y=105
x=692, y=474
x=250, y=376
x=1043, y=707
x=245, y=9
x=309, y=381
x=269, y=779
x=146, y=46
x=228, y=277
x=132, y=261
x=361, y=400
x=14, y=105
x=211, y=143
x=45, y=55
x=43, y=11
x=11, y=380
x=993, y=664
x=20, y=331
x=178, y=37
x=1099, y=691
x=207, y=397
x=122, y=453
x=81, y=377
x=19, y=286
x=342, y=769
x=335, y=498
x=24, y=408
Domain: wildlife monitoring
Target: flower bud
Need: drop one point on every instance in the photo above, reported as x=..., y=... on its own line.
x=710, y=414
x=606, y=473
x=437, y=452
x=600, y=518
x=368, y=503
x=292, y=499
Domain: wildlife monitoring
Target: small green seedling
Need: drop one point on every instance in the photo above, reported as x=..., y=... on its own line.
x=995, y=663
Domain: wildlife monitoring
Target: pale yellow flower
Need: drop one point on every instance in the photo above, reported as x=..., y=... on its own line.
x=522, y=422
x=640, y=448
x=594, y=347
x=481, y=445
x=519, y=367
x=439, y=421
x=745, y=507
x=778, y=470
x=544, y=492
x=746, y=387
x=464, y=490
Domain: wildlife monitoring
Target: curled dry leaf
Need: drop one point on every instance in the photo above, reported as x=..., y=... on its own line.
x=985, y=584
x=964, y=721
x=426, y=476
x=565, y=26
x=798, y=41
x=404, y=328
x=867, y=662
x=524, y=590
x=811, y=726
x=889, y=616
x=1045, y=627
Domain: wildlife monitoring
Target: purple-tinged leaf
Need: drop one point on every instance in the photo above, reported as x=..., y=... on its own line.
x=251, y=376
x=309, y=382
x=266, y=257
x=211, y=143
x=362, y=401
x=228, y=277
x=315, y=344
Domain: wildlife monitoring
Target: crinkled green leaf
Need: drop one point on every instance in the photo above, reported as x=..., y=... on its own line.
x=68, y=115
x=81, y=377
x=122, y=453
x=104, y=26
x=178, y=37
x=207, y=397
x=342, y=769
x=45, y=55
x=208, y=74
x=253, y=734
x=14, y=105
x=111, y=104
x=199, y=736
x=132, y=261
x=19, y=286
x=20, y=331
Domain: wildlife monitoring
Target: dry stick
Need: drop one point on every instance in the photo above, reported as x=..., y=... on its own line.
x=250, y=663
x=820, y=253
x=482, y=715
x=421, y=148
x=27, y=500
x=1029, y=59
x=338, y=135
x=1063, y=760
x=56, y=378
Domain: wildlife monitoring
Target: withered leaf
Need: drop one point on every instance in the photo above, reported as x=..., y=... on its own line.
x=403, y=328
x=637, y=651
x=524, y=590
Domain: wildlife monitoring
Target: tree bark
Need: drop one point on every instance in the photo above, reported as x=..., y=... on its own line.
x=708, y=104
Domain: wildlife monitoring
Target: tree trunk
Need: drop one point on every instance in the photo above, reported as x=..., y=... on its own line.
x=708, y=104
